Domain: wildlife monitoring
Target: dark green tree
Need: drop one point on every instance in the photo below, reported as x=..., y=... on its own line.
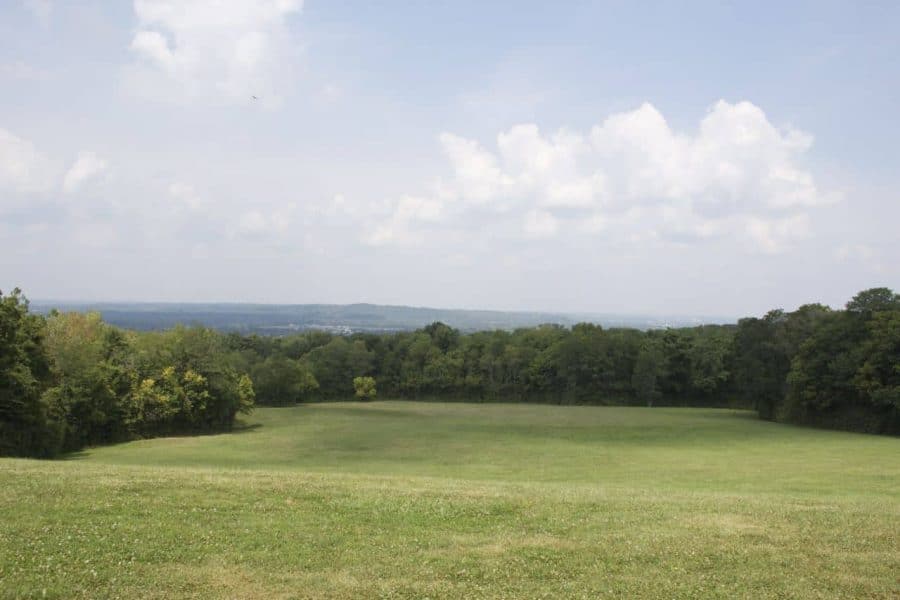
x=28, y=427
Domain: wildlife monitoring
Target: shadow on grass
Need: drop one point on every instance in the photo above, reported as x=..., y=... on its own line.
x=239, y=428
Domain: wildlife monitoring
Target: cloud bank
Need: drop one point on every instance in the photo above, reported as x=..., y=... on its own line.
x=630, y=177
x=211, y=51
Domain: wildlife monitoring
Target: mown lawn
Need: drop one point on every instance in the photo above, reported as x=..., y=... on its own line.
x=416, y=500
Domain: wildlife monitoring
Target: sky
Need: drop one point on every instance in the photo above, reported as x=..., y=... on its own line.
x=702, y=159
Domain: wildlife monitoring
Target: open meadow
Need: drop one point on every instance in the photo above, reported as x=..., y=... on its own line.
x=432, y=500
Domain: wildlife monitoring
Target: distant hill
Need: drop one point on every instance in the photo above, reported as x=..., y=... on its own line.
x=279, y=319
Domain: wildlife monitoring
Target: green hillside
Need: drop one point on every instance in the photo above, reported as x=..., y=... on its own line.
x=402, y=499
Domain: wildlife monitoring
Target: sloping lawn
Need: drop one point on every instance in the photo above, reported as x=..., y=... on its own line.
x=414, y=500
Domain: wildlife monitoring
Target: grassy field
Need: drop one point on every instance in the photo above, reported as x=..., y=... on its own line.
x=413, y=500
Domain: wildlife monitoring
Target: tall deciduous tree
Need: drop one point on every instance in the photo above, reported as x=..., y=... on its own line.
x=648, y=369
x=27, y=425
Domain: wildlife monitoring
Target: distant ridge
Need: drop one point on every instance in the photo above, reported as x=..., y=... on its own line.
x=280, y=319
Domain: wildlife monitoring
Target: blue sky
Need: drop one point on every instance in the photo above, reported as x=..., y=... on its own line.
x=574, y=156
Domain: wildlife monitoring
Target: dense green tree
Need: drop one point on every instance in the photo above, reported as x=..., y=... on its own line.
x=27, y=425
x=708, y=356
x=335, y=364
x=820, y=381
x=279, y=380
x=205, y=352
x=91, y=374
x=171, y=402
x=759, y=367
x=676, y=382
x=873, y=300
x=648, y=369
x=763, y=350
x=878, y=378
x=443, y=336
x=845, y=375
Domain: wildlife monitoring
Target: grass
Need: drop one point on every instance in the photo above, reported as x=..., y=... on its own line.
x=416, y=500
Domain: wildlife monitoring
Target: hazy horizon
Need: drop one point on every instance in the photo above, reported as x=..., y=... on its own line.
x=48, y=302
x=576, y=158
x=624, y=311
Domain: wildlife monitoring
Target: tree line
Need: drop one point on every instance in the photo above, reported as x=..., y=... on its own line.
x=69, y=380
x=815, y=366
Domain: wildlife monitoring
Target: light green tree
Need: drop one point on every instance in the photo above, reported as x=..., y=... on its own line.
x=364, y=387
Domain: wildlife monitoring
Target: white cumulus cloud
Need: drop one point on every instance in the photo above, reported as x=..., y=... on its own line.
x=771, y=235
x=22, y=167
x=212, y=50
x=184, y=195
x=408, y=214
x=264, y=224
x=737, y=174
x=540, y=223
x=86, y=166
